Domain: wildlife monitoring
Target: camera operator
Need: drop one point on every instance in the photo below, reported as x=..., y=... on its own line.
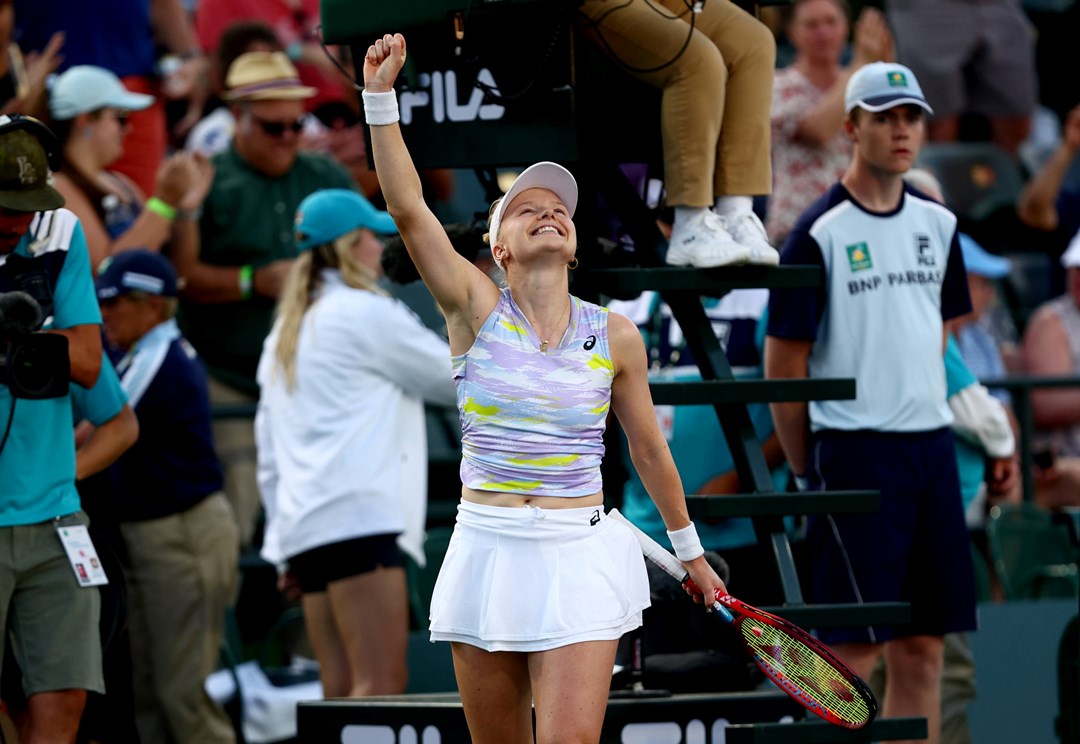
x=49, y=605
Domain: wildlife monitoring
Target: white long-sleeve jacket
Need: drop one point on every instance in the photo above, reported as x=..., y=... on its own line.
x=344, y=453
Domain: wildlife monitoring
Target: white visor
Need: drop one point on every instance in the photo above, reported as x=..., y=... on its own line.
x=543, y=175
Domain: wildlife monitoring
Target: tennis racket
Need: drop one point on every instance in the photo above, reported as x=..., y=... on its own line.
x=799, y=664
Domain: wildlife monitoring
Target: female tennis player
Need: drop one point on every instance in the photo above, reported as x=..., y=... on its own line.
x=538, y=584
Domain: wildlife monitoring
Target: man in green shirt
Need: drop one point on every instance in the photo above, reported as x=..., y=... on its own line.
x=246, y=248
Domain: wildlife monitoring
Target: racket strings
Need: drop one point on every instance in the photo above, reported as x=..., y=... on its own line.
x=804, y=667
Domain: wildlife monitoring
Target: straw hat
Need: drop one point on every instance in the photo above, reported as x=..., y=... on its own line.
x=264, y=76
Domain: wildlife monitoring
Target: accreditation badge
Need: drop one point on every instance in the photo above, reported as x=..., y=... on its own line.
x=81, y=552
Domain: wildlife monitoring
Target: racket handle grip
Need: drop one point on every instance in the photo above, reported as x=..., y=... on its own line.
x=717, y=606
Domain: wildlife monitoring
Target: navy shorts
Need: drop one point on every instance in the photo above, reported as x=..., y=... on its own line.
x=316, y=568
x=915, y=549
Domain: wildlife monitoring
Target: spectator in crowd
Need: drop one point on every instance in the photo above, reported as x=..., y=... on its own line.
x=893, y=278
x=22, y=79
x=90, y=109
x=1049, y=202
x=125, y=41
x=1052, y=347
x=976, y=58
x=715, y=68
x=49, y=614
x=706, y=466
x=179, y=530
x=341, y=438
x=246, y=248
x=294, y=23
x=214, y=131
x=1056, y=483
x=342, y=139
x=810, y=151
x=977, y=345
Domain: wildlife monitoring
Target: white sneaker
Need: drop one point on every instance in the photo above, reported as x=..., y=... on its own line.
x=747, y=229
x=705, y=243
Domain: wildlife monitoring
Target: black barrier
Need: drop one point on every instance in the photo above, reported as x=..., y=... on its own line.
x=439, y=719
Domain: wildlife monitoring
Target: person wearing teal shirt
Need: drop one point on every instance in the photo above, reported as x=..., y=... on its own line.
x=51, y=620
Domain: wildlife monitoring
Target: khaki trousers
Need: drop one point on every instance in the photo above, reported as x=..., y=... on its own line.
x=717, y=95
x=182, y=577
x=234, y=442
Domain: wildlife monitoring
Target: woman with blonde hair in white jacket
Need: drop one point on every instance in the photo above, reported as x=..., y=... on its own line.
x=341, y=441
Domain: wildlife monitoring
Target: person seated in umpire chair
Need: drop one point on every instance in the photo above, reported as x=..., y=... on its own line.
x=714, y=63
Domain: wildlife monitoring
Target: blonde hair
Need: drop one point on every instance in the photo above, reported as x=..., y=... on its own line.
x=488, y=237
x=302, y=287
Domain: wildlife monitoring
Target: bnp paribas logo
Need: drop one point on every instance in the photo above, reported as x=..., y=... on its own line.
x=858, y=256
x=897, y=79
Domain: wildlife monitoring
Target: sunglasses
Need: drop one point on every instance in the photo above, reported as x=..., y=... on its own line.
x=277, y=128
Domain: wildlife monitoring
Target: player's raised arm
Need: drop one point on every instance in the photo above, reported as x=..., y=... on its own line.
x=462, y=291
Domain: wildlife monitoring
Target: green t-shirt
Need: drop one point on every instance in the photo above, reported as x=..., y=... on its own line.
x=248, y=219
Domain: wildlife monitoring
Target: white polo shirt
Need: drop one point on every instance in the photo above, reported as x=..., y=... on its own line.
x=890, y=281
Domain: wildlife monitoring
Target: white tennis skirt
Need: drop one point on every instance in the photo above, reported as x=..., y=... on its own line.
x=532, y=579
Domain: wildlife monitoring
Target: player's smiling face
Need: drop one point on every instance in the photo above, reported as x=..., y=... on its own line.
x=889, y=140
x=537, y=221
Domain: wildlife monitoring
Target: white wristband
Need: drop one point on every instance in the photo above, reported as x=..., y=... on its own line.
x=380, y=108
x=686, y=543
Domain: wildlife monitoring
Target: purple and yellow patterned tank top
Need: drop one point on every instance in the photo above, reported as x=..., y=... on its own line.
x=532, y=420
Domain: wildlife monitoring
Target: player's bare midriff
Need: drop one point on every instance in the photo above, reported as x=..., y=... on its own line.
x=497, y=498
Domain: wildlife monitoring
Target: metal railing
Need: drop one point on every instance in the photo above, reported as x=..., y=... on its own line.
x=1020, y=387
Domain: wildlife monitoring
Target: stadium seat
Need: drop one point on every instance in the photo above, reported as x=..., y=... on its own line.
x=978, y=177
x=1033, y=555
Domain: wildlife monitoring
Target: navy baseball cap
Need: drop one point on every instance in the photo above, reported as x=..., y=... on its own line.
x=326, y=215
x=883, y=85
x=136, y=271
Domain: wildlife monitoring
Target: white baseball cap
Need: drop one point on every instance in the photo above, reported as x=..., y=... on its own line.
x=88, y=88
x=542, y=175
x=1071, y=257
x=883, y=85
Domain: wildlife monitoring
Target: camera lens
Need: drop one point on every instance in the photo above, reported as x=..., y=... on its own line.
x=30, y=369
